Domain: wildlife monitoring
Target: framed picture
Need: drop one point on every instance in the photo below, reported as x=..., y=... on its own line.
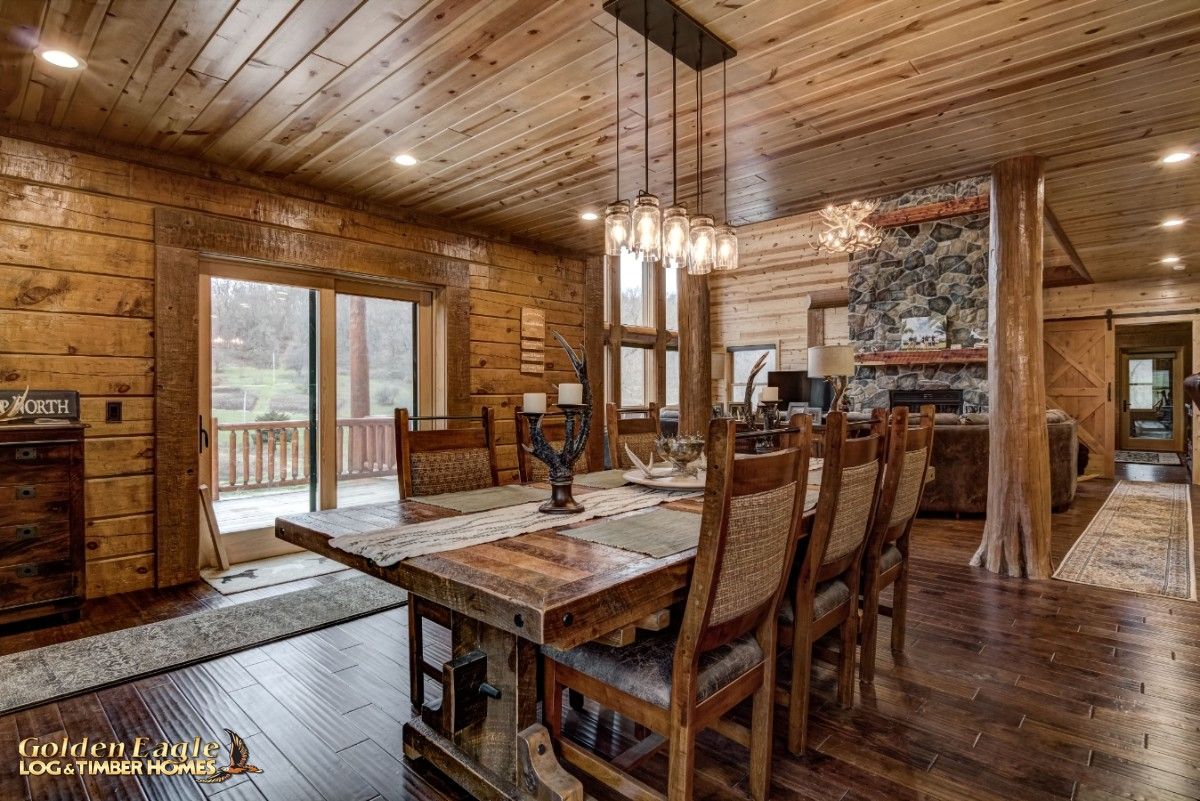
x=923, y=333
x=737, y=410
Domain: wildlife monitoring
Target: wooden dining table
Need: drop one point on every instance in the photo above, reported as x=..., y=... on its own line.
x=506, y=599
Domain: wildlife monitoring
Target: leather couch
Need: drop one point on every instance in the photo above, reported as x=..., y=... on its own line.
x=960, y=459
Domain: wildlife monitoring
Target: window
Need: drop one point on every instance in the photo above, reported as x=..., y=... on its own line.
x=743, y=359
x=672, y=363
x=634, y=297
x=671, y=279
x=636, y=375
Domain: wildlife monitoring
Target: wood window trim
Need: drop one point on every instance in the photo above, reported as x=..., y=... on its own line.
x=616, y=335
x=180, y=238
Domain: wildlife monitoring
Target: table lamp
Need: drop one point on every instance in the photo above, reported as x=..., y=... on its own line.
x=836, y=363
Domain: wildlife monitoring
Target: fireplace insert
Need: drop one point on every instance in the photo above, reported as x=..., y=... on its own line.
x=944, y=400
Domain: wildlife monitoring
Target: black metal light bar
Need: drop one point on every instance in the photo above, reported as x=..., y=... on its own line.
x=672, y=29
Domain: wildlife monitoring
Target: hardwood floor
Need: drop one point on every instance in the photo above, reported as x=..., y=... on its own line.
x=1007, y=690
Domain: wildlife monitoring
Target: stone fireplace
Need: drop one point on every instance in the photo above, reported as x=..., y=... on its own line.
x=924, y=269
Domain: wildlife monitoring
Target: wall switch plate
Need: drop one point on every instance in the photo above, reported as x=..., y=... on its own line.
x=112, y=412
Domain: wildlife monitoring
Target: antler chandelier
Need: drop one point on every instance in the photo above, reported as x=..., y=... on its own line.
x=847, y=229
x=670, y=236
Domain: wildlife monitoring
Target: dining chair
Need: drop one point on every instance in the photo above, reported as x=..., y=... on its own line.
x=682, y=681
x=554, y=428
x=431, y=462
x=639, y=433
x=824, y=591
x=885, y=560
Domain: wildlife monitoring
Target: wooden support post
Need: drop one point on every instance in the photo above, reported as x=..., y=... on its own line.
x=1016, y=536
x=695, y=355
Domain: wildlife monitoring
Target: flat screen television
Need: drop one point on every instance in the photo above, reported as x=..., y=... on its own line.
x=796, y=387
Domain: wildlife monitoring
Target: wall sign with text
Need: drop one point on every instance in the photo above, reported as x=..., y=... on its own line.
x=38, y=404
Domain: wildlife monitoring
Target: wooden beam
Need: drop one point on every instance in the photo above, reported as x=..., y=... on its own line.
x=930, y=211
x=176, y=415
x=593, y=344
x=1060, y=236
x=1016, y=536
x=836, y=298
x=695, y=355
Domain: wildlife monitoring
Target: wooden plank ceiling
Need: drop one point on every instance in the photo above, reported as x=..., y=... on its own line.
x=509, y=104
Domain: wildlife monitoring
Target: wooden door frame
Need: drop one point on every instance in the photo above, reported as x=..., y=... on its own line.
x=1177, y=402
x=180, y=238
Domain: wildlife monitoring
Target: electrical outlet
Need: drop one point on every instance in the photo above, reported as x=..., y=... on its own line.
x=112, y=412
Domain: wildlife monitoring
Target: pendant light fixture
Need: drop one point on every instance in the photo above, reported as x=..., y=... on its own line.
x=675, y=218
x=726, y=256
x=618, y=222
x=647, y=215
x=702, y=236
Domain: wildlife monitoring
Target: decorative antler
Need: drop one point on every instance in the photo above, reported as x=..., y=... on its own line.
x=754, y=371
x=16, y=407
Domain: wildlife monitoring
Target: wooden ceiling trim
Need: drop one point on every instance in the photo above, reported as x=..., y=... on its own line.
x=1060, y=237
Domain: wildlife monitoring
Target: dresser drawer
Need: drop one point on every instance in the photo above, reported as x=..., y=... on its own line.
x=36, y=583
x=34, y=542
x=35, y=462
x=33, y=503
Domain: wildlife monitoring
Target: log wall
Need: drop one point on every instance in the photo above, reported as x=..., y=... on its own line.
x=77, y=262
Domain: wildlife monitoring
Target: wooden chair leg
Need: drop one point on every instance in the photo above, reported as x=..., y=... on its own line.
x=848, y=657
x=900, y=604
x=870, y=624
x=681, y=765
x=761, y=733
x=416, y=654
x=798, y=703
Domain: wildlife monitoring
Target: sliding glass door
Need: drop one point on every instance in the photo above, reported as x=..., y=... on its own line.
x=300, y=378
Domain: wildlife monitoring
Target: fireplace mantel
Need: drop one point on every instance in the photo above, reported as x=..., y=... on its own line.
x=916, y=357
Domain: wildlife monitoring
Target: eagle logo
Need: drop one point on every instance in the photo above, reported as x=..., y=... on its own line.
x=239, y=761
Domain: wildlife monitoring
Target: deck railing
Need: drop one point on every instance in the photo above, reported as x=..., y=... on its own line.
x=275, y=453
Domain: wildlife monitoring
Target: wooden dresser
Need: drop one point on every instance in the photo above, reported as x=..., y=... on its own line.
x=41, y=521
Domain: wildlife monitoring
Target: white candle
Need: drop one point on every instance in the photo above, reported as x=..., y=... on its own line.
x=770, y=395
x=533, y=402
x=570, y=394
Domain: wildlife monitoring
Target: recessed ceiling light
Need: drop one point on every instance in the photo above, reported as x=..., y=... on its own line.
x=405, y=160
x=1170, y=260
x=590, y=216
x=60, y=58
x=1172, y=222
x=1177, y=156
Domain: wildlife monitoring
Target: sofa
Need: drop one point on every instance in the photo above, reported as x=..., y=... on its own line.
x=960, y=461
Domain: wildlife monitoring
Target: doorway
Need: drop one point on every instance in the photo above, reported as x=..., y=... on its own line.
x=299, y=376
x=1152, y=361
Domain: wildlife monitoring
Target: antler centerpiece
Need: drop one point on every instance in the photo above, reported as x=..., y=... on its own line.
x=578, y=418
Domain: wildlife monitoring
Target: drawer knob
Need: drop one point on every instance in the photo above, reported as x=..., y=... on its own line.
x=26, y=454
x=27, y=571
x=26, y=492
x=27, y=532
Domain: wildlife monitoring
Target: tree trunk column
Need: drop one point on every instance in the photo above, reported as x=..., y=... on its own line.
x=695, y=355
x=1016, y=536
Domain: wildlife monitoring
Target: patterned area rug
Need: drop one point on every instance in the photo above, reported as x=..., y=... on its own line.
x=1147, y=457
x=269, y=572
x=40, y=675
x=1140, y=540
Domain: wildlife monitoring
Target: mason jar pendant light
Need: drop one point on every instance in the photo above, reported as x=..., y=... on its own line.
x=702, y=236
x=726, y=256
x=618, y=222
x=647, y=216
x=675, y=225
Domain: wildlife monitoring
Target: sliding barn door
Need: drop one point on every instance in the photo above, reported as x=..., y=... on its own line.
x=1079, y=380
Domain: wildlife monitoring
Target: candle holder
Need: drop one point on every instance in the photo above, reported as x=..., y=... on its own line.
x=560, y=463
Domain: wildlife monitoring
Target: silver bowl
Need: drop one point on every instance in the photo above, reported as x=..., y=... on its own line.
x=681, y=452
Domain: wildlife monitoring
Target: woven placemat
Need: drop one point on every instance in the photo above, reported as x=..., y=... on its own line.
x=602, y=479
x=659, y=533
x=484, y=500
